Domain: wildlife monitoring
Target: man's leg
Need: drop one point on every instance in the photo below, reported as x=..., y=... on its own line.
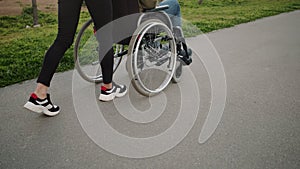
x=173, y=11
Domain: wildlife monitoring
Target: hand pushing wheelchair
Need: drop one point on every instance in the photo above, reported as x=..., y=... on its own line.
x=155, y=55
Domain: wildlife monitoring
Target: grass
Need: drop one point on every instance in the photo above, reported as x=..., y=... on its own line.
x=218, y=14
x=22, y=50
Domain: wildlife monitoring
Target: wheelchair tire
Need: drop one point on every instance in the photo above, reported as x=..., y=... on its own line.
x=152, y=57
x=86, y=54
x=178, y=72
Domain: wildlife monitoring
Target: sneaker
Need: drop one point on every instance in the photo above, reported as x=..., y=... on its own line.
x=110, y=94
x=38, y=105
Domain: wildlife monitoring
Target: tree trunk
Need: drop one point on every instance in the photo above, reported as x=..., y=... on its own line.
x=35, y=13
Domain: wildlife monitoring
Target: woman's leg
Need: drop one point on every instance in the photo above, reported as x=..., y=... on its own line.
x=102, y=14
x=124, y=27
x=68, y=16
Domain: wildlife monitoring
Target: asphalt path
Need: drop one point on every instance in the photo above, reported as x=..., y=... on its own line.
x=259, y=128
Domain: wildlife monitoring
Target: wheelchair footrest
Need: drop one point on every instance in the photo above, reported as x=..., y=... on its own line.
x=186, y=57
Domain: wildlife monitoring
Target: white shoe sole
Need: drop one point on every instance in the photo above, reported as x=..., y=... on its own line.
x=39, y=109
x=32, y=107
x=110, y=97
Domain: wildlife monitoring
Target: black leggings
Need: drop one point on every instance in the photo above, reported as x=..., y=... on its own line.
x=101, y=12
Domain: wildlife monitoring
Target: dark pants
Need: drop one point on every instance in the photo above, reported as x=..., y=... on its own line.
x=124, y=27
x=101, y=12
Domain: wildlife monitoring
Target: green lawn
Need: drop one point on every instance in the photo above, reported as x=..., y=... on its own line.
x=22, y=50
x=217, y=14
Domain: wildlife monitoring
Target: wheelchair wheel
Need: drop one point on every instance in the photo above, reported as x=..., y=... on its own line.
x=178, y=72
x=152, y=57
x=86, y=54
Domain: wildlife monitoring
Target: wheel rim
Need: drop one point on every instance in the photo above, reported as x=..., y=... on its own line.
x=154, y=78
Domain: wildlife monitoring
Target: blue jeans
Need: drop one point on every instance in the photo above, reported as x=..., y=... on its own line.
x=173, y=11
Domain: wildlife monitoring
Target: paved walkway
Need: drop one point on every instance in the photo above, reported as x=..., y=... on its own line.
x=259, y=129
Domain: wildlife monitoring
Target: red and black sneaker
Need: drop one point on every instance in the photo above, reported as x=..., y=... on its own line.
x=110, y=94
x=45, y=106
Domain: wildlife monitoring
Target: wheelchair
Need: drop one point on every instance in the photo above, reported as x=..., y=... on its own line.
x=155, y=55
